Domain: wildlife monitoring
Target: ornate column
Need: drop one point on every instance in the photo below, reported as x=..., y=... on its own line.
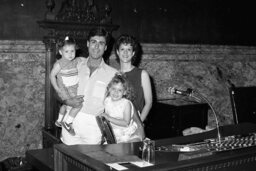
x=50, y=101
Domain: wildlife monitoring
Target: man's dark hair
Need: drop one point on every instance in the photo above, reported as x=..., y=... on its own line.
x=99, y=32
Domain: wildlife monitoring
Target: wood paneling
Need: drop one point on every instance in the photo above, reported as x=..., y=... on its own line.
x=227, y=22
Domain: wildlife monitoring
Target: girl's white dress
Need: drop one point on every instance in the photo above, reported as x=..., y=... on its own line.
x=116, y=109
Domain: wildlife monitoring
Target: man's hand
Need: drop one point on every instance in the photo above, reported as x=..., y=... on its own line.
x=62, y=96
x=75, y=102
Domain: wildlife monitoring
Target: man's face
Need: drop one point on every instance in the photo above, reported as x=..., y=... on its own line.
x=96, y=46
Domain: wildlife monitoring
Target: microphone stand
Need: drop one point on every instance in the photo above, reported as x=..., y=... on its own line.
x=214, y=112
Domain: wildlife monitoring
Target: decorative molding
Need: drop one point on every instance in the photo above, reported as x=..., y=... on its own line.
x=77, y=30
x=21, y=46
x=186, y=52
x=183, y=52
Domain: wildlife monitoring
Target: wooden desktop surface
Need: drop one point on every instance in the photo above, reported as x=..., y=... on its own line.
x=94, y=157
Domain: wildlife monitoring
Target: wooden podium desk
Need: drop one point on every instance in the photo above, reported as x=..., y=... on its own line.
x=92, y=157
x=41, y=159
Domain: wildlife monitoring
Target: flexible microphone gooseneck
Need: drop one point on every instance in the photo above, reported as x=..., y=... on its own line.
x=191, y=93
x=214, y=113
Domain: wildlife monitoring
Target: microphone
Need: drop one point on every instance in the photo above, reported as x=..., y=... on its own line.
x=173, y=90
x=189, y=92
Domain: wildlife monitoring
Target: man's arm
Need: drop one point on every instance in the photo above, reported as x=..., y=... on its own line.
x=74, y=102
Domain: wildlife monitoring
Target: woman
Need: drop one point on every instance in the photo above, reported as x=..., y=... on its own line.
x=126, y=50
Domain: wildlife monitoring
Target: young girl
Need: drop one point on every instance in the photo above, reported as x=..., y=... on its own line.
x=120, y=111
x=64, y=78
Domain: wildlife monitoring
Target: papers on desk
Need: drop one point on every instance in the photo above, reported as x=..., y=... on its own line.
x=116, y=161
x=118, y=166
x=142, y=163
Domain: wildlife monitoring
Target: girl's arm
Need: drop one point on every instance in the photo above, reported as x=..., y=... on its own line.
x=79, y=59
x=147, y=90
x=55, y=70
x=125, y=121
x=73, y=102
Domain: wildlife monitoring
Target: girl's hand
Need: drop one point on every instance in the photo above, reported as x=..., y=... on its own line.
x=105, y=115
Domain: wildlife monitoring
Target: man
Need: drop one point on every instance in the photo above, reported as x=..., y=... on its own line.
x=94, y=75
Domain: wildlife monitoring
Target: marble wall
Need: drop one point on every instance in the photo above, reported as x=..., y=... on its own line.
x=208, y=69
x=22, y=80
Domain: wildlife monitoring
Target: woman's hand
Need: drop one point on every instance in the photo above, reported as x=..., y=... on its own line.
x=75, y=102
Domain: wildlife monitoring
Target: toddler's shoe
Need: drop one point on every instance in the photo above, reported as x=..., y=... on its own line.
x=58, y=124
x=69, y=128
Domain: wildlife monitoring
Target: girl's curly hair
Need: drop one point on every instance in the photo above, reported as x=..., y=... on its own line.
x=121, y=78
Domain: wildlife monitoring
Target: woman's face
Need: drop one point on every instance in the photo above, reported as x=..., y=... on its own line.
x=116, y=91
x=125, y=53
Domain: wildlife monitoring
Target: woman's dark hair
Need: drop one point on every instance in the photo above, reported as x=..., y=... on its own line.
x=127, y=39
x=99, y=32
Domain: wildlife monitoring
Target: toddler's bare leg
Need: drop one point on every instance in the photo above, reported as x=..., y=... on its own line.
x=61, y=115
x=67, y=124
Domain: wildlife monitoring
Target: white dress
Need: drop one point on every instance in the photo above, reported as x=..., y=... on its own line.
x=116, y=110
